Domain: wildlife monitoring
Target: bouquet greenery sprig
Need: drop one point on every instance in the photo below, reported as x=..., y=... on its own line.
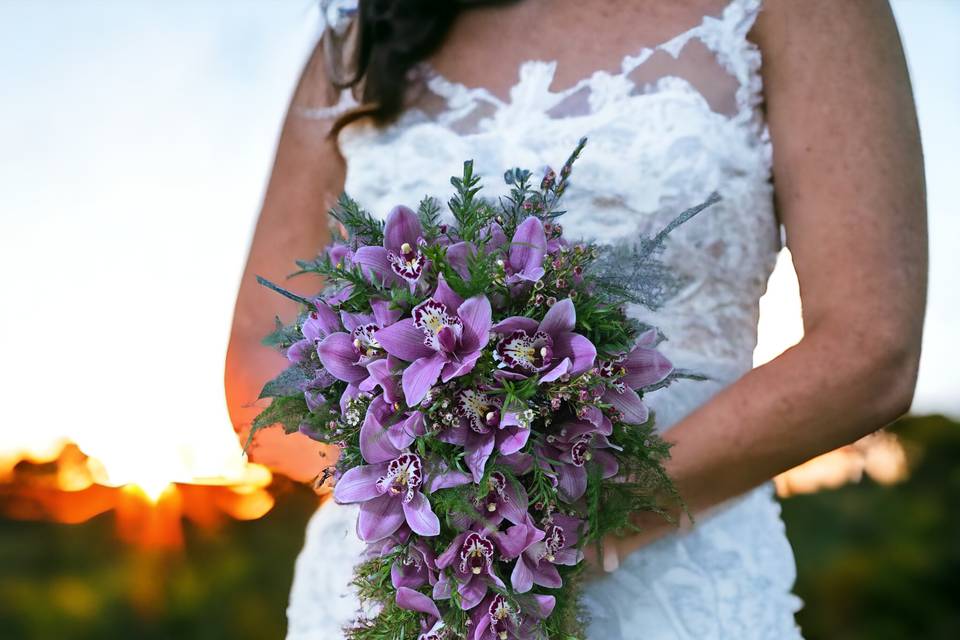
x=485, y=386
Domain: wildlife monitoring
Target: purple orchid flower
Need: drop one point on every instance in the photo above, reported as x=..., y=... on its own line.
x=417, y=567
x=527, y=249
x=497, y=619
x=319, y=323
x=574, y=445
x=482, y=429
x=549, y=348
x=438, y=341
x=400, y=258
x=556, y=544
x=347, y=355
x=640, y=368
x=389, y=495
x=471, y=556
x=504, y=499
x=432, y=623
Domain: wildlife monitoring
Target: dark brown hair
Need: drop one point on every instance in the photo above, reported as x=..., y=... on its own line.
x=392, y=37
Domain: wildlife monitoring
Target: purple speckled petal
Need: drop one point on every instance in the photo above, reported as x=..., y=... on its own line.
x=339, y=357
x=403, y=340
x=648, y=338
x=359, y=484
x=420, y=376
x=420, y=516
x=402, y=226
x=379, y=518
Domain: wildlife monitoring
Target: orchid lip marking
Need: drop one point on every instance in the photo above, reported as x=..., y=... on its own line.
x=404, y=476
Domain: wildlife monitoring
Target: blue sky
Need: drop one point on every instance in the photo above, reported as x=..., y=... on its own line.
x=135, y=140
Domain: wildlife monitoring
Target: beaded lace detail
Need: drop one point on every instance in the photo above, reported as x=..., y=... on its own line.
x=674, y=123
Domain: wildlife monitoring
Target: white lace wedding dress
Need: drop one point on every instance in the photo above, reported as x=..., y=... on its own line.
x=678, y=121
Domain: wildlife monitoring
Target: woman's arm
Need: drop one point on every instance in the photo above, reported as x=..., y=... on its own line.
x=849, y=184
x=307, y=177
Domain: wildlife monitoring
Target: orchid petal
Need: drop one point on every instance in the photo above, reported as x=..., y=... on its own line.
x=375, y=444
x=339, y=357
x=478, y=451
x=522, y=576
x=546, y=575
x=562, y=368
x=383, y=314
x=579, y=349
x=472, y=592
x=403, y=340
x=379, y=518
x=573, y=481
x=512, y=440
x=477, y=317
x=416, y=601
x=420, y=376
x=402, y=226
x=359, y=484
x=458, y=255
x=544, y=604
x=516, y=323
x=645, y=367
x=453, y=370
x=560, y=318
x=375, y=265
x=529, y=245
x=446, y=295
x=629, y=404
x=420, y=516
x=446, y=558
x=353, y=320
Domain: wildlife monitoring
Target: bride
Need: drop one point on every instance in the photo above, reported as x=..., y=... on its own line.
x=820, y=140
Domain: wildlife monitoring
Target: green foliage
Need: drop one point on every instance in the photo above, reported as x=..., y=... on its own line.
x=286, y=411
x=288, y=383
x=361, y=226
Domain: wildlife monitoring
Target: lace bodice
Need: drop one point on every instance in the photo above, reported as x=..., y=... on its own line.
x=657, y=145
x=672, y=124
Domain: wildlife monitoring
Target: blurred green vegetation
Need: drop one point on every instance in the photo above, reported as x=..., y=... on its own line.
x=883, y=563
x=874, y=563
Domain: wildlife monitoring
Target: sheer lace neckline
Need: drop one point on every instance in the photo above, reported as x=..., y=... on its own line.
x=725, y=35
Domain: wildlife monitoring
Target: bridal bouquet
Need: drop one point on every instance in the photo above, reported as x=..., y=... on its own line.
x=485, y=388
